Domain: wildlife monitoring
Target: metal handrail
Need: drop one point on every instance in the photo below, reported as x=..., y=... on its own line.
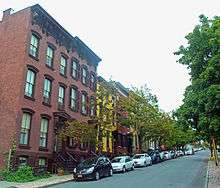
x=71, y=156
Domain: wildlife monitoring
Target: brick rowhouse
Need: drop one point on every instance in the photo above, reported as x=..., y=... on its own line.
x=47, y=77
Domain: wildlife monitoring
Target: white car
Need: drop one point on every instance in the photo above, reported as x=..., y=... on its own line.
x=122, y=164
x=167, y=155
x=189, y=152
x=180, y=153
x=142, y=160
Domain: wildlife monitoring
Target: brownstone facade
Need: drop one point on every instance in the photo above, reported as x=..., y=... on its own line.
x=25, y=37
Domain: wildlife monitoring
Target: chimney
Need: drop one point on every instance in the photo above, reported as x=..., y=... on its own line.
x=6, y=14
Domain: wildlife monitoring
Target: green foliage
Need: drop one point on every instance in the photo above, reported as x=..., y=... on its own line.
x=152, y=124
x=81, y=132
x=23, y=174
x=201, y=108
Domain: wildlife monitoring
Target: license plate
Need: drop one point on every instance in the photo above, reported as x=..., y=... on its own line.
x=80, y=176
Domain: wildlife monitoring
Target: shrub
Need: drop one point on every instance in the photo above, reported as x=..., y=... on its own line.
x=23, y=174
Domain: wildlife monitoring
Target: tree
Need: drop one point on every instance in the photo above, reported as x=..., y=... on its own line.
x=153, y=124
x=80, y=132
x=141, y=108
x=201, y=108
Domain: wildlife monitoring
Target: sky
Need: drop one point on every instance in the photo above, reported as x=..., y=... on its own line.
x=135, y=39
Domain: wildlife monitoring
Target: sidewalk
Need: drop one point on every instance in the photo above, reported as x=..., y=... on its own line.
x=39, y=183
x=213, y=175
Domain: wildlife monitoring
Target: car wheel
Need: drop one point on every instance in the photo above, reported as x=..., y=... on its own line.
x=132, y=167
x=97, y=176
x=110, y=172
x=151, y=163
x=145, y=164
x=123, y=169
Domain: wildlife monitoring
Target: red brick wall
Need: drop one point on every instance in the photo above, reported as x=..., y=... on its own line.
x=15, y=34
x=12, y=48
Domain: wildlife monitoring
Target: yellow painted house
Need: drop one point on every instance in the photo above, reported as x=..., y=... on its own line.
x=106, y=115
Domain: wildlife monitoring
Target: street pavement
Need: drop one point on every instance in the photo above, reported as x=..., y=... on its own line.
x=183, y=172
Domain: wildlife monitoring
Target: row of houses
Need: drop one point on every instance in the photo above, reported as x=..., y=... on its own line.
x=49, y=77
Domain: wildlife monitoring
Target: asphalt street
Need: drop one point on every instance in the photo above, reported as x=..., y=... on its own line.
x=183, y=172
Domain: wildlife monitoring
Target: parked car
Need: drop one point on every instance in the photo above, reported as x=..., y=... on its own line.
x=189, y=152
x=173, y=154
x=179, y=153
x=218, y=148
x=155, y=156
x=122, y=164
x=142, y=160
x=167, y=155
x=162, y=155
x=93, y=168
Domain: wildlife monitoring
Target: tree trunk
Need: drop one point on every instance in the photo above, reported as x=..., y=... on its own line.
x=214, y=151
x=138, y=143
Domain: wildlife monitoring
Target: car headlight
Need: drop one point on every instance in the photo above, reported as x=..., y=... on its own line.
x=74, y=170
x=90, y=170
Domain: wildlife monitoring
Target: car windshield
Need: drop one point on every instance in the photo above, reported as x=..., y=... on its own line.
x=151, y=152
x=88, y=162
x=118, y=160
x=138, y=156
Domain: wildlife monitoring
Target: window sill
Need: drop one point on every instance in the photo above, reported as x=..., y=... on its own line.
x=46, y=104
x=24, y=146
x=76, y=79
x=43, y=149
x=63, y=75
x=84, y=114
x=86, y=85
x=73, y=110
x=33, y=57
x=61, y=108
x=49, y=67
x=29, y=98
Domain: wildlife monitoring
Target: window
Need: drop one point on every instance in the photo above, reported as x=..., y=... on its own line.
x=42, y=162
x=61, y=95
x=75, y=69
x=93, y=82
x=63, y=63
x=47, y=90
x=73, y=99
x=30, y=81
x=22, y=160
x=25, y=129
x=84, y=145
x=84, y=76
x=34, y=46
x=83, y=104
x=43, y=132
x=71, y=142
x=50, y=55
x=92, y=106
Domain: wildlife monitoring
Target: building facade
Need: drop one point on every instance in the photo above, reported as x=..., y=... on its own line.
x=47, y=77
x=123, y=135
x=106, y=109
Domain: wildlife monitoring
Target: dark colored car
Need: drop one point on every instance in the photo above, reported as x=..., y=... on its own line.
x=93, y=168
x=173, y=154
x=155, y=156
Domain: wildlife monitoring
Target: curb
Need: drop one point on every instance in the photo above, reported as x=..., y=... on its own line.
x=207, y=176
x=58, y=183
x=49, y=185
